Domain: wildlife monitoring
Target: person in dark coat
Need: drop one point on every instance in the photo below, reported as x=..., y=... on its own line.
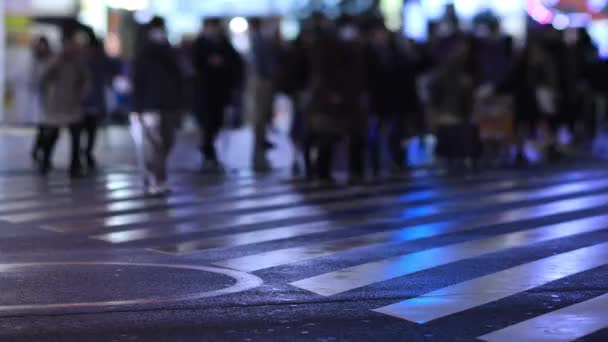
x=158, y=100
x=338, y=96
x=533, y=74
x=293, y=79
x=94, y=104
x=392, y=89
x=42, y=55
x=63, y=87
x=219, y=78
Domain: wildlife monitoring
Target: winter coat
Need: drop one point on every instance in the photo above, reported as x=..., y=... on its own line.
x=338, y=86
x=64, y=86
x=219, y=72
x=157, y=79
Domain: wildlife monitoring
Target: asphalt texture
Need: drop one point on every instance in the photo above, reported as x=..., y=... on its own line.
x=272, y=258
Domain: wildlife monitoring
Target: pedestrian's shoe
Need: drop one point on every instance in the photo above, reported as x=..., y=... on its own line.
x=212, y=167
x=296, y=170
x=356, y=180
x=44, y=168
x=91, y=162
x=261, y=166
x=160, y=189
x=76, y=172
x=267, y=145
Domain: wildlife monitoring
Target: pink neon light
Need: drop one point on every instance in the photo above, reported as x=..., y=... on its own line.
x=539, y=12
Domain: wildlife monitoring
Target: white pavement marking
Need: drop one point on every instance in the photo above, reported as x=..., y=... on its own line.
x=258, y=236
x=303, y=211
x=333, y=283
x=567, y=324
x=99, y=208
x=479, y=291
x=292, y=255
x=335, y=194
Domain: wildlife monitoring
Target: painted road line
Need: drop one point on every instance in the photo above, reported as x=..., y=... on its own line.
x=483, y=290
x=116, y=207
x=258, y=236
x=292, y=255
x=305, y=213
x=122, y=219
x=99, y=206
x=347, y=279
x=564, y=325
x=57, y=202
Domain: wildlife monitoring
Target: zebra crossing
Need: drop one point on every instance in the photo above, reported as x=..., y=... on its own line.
x=373, y=239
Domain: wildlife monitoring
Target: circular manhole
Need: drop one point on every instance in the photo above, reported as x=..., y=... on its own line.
x=33, y=286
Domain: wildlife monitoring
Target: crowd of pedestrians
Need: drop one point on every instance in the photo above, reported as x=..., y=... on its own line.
x=353, y=83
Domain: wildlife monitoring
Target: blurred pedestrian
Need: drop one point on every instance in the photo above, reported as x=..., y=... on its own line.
x=158, y=101
x=338, y=97
x=42, y=56
x=94, y=105
x=392, y=90
x=65, y=84
x=294, y=80
x=265, y=46
x=219, y=79
x=533, y=83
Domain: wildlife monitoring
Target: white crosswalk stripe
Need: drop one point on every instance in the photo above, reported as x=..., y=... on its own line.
x=296, y=254
x=567, y=324
x=492, y=287
x=400, y=230
x=358, y=276
x=299, y=209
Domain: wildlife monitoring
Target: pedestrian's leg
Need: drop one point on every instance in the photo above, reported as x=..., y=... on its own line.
x=356, y=152
x=309, y=165
x=90, y=128
x=75, y=163
x=375, y=146
x=262, y=119
x=324, y=159
x=210, y=124
x=396, y=135
x=37, y=148
x=169, y=122
x=50, y=134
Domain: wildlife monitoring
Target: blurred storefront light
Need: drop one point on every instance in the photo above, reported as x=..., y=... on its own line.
x=129, y=5
x=238, y=25
x=561, y=21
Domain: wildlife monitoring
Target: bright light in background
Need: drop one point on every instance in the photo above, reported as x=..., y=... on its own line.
x=433, y=9
x=597, y=5
x=539, y=12
x=561, y=21
x=143, y=16
x=129, y=5
x=469, y=8
x=239, y=25
x=414, y=21
x=598, y=30
x=392, y=10
x=290, y=28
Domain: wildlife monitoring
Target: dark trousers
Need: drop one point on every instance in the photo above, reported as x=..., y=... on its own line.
x=90, y=126
x=391, y=129
x=320, y=167
x=51, y=135
x=38, y=147
x=356, y=155
x=210, y=124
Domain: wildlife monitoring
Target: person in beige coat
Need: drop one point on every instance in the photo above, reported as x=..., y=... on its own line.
x=64, y=85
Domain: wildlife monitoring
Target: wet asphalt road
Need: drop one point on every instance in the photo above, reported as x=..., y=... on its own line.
x=495, y=256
